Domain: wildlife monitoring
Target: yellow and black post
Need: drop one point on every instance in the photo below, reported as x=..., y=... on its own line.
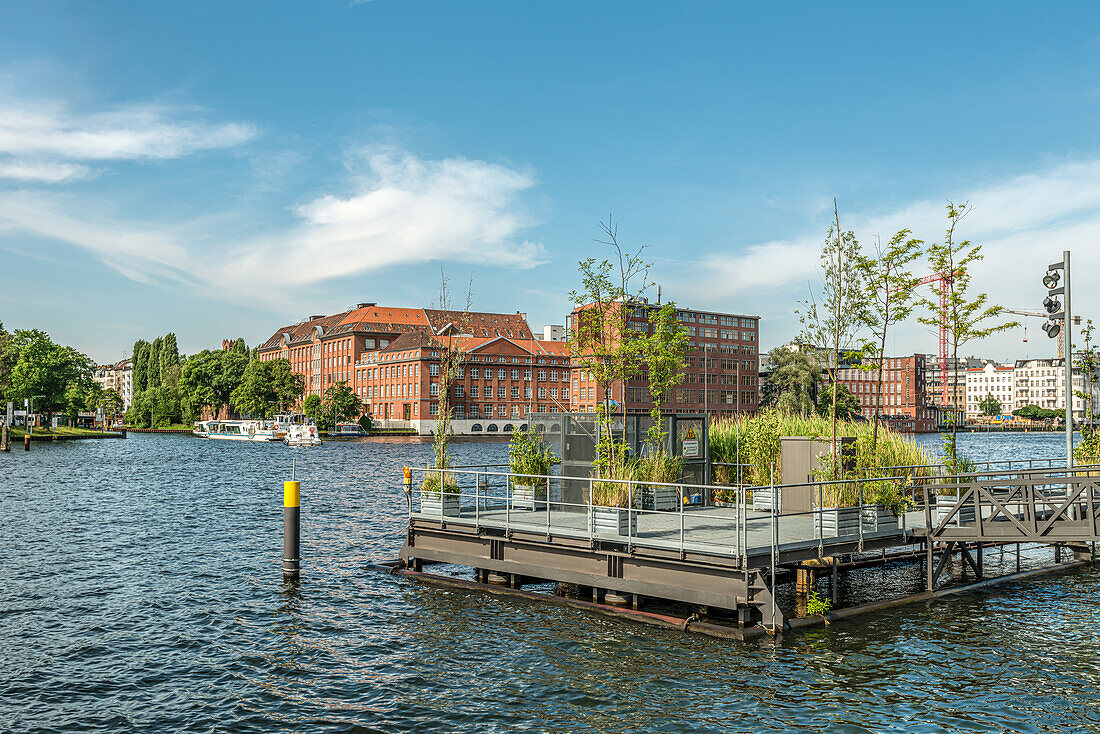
x=292, y=500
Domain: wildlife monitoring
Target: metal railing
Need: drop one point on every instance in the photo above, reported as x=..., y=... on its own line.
x=487, y=499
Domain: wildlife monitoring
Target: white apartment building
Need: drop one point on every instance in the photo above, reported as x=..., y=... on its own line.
x=1026, y=382
x=117, y=377
x=991, y=379
x=1041, y=382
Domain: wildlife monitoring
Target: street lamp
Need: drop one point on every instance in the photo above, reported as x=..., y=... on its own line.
x=1059, y=319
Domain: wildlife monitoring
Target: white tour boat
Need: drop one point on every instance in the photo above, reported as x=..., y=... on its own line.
x=235, y=430
x=349, y=429
x=301, y=435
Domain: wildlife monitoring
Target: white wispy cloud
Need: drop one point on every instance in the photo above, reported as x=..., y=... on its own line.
x=1023, y=223
x=402, y=209
x=49, y=141
x=43, y=172
x=399, y=209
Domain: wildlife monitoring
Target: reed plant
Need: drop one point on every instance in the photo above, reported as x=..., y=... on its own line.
x=618, y=465
x=755, y=441
x=529, y=455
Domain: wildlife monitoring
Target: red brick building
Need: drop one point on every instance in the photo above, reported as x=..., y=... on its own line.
x=501, y=382
x=325, y=349
x=722, y=374
x=904, y=405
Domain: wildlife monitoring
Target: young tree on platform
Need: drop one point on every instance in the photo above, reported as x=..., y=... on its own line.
x=600, y=338
x=890, y=291
x=966, y=319
x=451, y=359
x=836, y=321
x=1089, y=364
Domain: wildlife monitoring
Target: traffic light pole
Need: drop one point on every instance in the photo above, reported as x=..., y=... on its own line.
x=1067, y=325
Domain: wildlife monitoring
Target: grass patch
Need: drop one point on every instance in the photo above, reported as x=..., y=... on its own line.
x=18, y=433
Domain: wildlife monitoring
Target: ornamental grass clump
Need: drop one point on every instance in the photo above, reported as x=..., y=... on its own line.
x=754, y=441
x=529, y=455
x=617, y=465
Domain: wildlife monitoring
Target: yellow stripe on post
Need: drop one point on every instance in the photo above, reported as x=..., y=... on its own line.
x=292, y=494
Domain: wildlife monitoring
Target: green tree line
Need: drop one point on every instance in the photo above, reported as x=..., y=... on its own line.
x=170, y=388
x=57, y=377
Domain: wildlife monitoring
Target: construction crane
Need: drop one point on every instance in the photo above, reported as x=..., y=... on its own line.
x=944, y=278
x=1044, y=317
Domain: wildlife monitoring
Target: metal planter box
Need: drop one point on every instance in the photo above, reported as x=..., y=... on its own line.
x=767, y=499
x=879, y=519
x=528, y=497
x=666, y=498
x=435, y=504
x=612, y=521
x=837, y=522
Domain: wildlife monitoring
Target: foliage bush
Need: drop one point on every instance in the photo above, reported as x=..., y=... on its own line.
x=817, y=605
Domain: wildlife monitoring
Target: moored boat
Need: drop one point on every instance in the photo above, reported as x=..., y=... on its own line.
x=300, y=435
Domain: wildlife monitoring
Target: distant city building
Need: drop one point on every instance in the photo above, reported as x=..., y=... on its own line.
x=904, y=403
x=117, y=377
x=325, y=349
x=722, y=374
x=502, y=382
x=1042, y=382
x=990, y=379
x=553, y=333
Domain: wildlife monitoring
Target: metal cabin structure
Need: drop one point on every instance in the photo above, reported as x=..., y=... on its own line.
x=726, y=556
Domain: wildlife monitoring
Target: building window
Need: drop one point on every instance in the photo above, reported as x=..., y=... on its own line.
x=515, y=374
x=542, y=375
x=500, y=392
x=433, y=370
x=527, y=374
x=474, y=391
x=502, y=374
x=527, y=392
x=474, y=373
x=460, y=391
x=434, y=389
x=435, y=409
x=542, y=393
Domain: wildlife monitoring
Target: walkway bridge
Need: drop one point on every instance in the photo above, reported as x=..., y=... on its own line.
x=1057, y=506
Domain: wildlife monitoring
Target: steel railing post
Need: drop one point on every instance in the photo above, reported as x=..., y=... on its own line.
x=680, y=498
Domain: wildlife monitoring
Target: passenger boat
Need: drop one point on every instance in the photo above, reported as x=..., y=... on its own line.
x=235, y=430
x=299, y=435
x=349, y=429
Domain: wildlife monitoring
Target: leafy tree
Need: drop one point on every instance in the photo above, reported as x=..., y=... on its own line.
x=139, y=366
x=339, y=404
x=169, y=360
x=48, y=370
x=311, y=406
x=8, y=357
x=1088, y=362
x=267, y=387
x=847, y=407
x=664, y=353
x=836, y=321
x=153, y=365
x=990, y=405
x=110, y=401
x=239, y=347
x=967, y=319
x=208, y=379
x=601, y=340
x=890, y=290
x=792, y=383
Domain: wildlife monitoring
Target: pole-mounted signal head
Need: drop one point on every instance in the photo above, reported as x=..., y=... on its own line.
x=408, y=475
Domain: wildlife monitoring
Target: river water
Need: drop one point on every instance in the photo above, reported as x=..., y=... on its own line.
x=140, y=590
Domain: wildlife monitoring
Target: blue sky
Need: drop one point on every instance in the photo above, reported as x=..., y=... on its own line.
x=220, y=169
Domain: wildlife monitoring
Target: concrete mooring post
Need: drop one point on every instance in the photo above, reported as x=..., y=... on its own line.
x=291, y=527
x=5, y=438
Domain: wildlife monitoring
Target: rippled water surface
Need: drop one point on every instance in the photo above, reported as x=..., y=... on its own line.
x=141, y=591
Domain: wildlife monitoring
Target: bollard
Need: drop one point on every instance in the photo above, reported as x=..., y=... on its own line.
x=5, y=438
x=27, y=441
x=291, y=527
